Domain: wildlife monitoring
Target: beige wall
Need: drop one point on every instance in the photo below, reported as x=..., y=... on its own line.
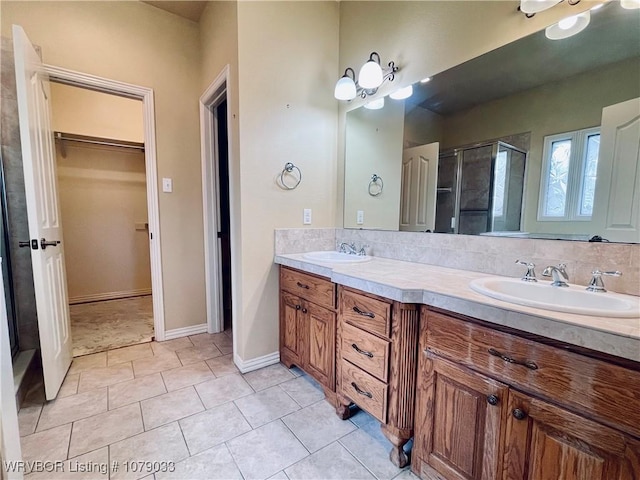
x=571, y=104
x=219, y=47
x=288, y=55
x=103, y=196
x=140, y=44
x=374, y=145
x=86, y=112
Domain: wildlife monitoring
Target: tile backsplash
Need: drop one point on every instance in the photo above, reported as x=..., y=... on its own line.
x=493, y=255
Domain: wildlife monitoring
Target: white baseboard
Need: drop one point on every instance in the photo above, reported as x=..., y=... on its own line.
x=185, y=331
x=97, y=297
x=255, y=363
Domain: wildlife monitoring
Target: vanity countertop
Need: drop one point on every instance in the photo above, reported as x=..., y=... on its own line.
x=448, y=288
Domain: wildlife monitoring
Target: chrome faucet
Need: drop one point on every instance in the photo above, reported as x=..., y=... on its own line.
x=349, y=248
x=596, y=284
x=363, y=250
x=530, y=276
x=557, y=272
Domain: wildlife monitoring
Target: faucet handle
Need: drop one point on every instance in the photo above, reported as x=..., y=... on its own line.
x=363, y=250
x=596, y=284
x=530, y=276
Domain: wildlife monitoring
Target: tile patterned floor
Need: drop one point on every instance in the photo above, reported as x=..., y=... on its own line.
x=101, y=326
x=184, y=401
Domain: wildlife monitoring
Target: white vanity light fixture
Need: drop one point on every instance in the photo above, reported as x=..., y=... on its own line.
x=376, y=104
x=370, y=77
x=630, y=4
x=535, y=6
x=569, y=26
x=402, y=93
x=425, y=80
x=346, y=87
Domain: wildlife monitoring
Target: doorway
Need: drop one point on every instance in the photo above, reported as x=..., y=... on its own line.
x=100, y=157
x=224, y=232
x=217, y=206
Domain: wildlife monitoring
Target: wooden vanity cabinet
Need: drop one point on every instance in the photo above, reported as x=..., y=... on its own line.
x=376, y=363
x=492, y=404
x=308, y=325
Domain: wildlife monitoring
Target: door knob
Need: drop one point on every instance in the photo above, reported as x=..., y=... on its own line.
x=29, y=244
x=44, y=243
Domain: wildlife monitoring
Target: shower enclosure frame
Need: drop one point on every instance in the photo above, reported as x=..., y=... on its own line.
x=495, y=145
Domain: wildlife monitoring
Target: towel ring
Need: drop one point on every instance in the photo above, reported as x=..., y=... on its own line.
x=288, y=169
x=376, y=185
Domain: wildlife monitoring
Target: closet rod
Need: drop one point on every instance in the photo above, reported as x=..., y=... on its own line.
x=98, y=141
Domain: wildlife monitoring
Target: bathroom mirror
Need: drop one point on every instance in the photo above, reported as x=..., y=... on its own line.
x=504, y=144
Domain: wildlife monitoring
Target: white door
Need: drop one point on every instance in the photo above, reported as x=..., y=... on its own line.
x=9, y=431
x=419, y=188
x=45, y=229
x=616, y=208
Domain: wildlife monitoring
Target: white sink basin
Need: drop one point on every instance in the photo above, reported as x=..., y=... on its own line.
x=336, y=257
x=572, y=299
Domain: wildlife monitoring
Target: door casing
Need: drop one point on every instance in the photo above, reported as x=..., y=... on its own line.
x=145, y=94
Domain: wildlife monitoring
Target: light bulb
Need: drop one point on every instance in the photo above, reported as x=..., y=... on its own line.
x=567, y=23
x=345, y=89
x=425, y=80
x=630, y=4
x=536, y=6
x=370, y=75
x=568, y=26
x=402, y=93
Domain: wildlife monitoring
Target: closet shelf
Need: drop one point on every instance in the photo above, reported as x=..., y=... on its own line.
x=108, y=142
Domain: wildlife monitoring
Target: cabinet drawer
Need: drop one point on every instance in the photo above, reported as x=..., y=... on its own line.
x=315, y=289
x=608, y=392
x=365, y=312
x=366, y=351
x=365, y=391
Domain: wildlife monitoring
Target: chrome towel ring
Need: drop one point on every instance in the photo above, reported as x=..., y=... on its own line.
x=376, y=185
x=288, y=171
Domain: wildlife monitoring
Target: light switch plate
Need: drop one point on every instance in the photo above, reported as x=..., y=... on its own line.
x=167, y=185
x=306, y=216
x=360, y=217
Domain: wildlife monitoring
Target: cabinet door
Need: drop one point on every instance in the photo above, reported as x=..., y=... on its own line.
x=320, y=351
x=459, y=420
x=545, y=442
x=291, y=330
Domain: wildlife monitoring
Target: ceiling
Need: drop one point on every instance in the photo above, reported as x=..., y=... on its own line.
x=191, y=10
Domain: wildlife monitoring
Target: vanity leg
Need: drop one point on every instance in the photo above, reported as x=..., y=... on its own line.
x=342, y=408
x=398, y=438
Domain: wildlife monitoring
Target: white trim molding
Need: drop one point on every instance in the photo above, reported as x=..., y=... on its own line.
x=217, y=90
x=256, y=363
x=99, y=297
x=145, y=94
x=184, y=331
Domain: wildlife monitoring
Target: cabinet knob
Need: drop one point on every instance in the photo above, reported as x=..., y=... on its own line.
x=304, y=310
x=298, y=307
x=493, y=399
x=519, y=414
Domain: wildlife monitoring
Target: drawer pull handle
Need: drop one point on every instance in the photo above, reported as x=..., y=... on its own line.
x=519, y=414
x=364, y=314
x=493, y=400
x=361, y=392
x=361, y=352
x=302, y=285
x=530, y=365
